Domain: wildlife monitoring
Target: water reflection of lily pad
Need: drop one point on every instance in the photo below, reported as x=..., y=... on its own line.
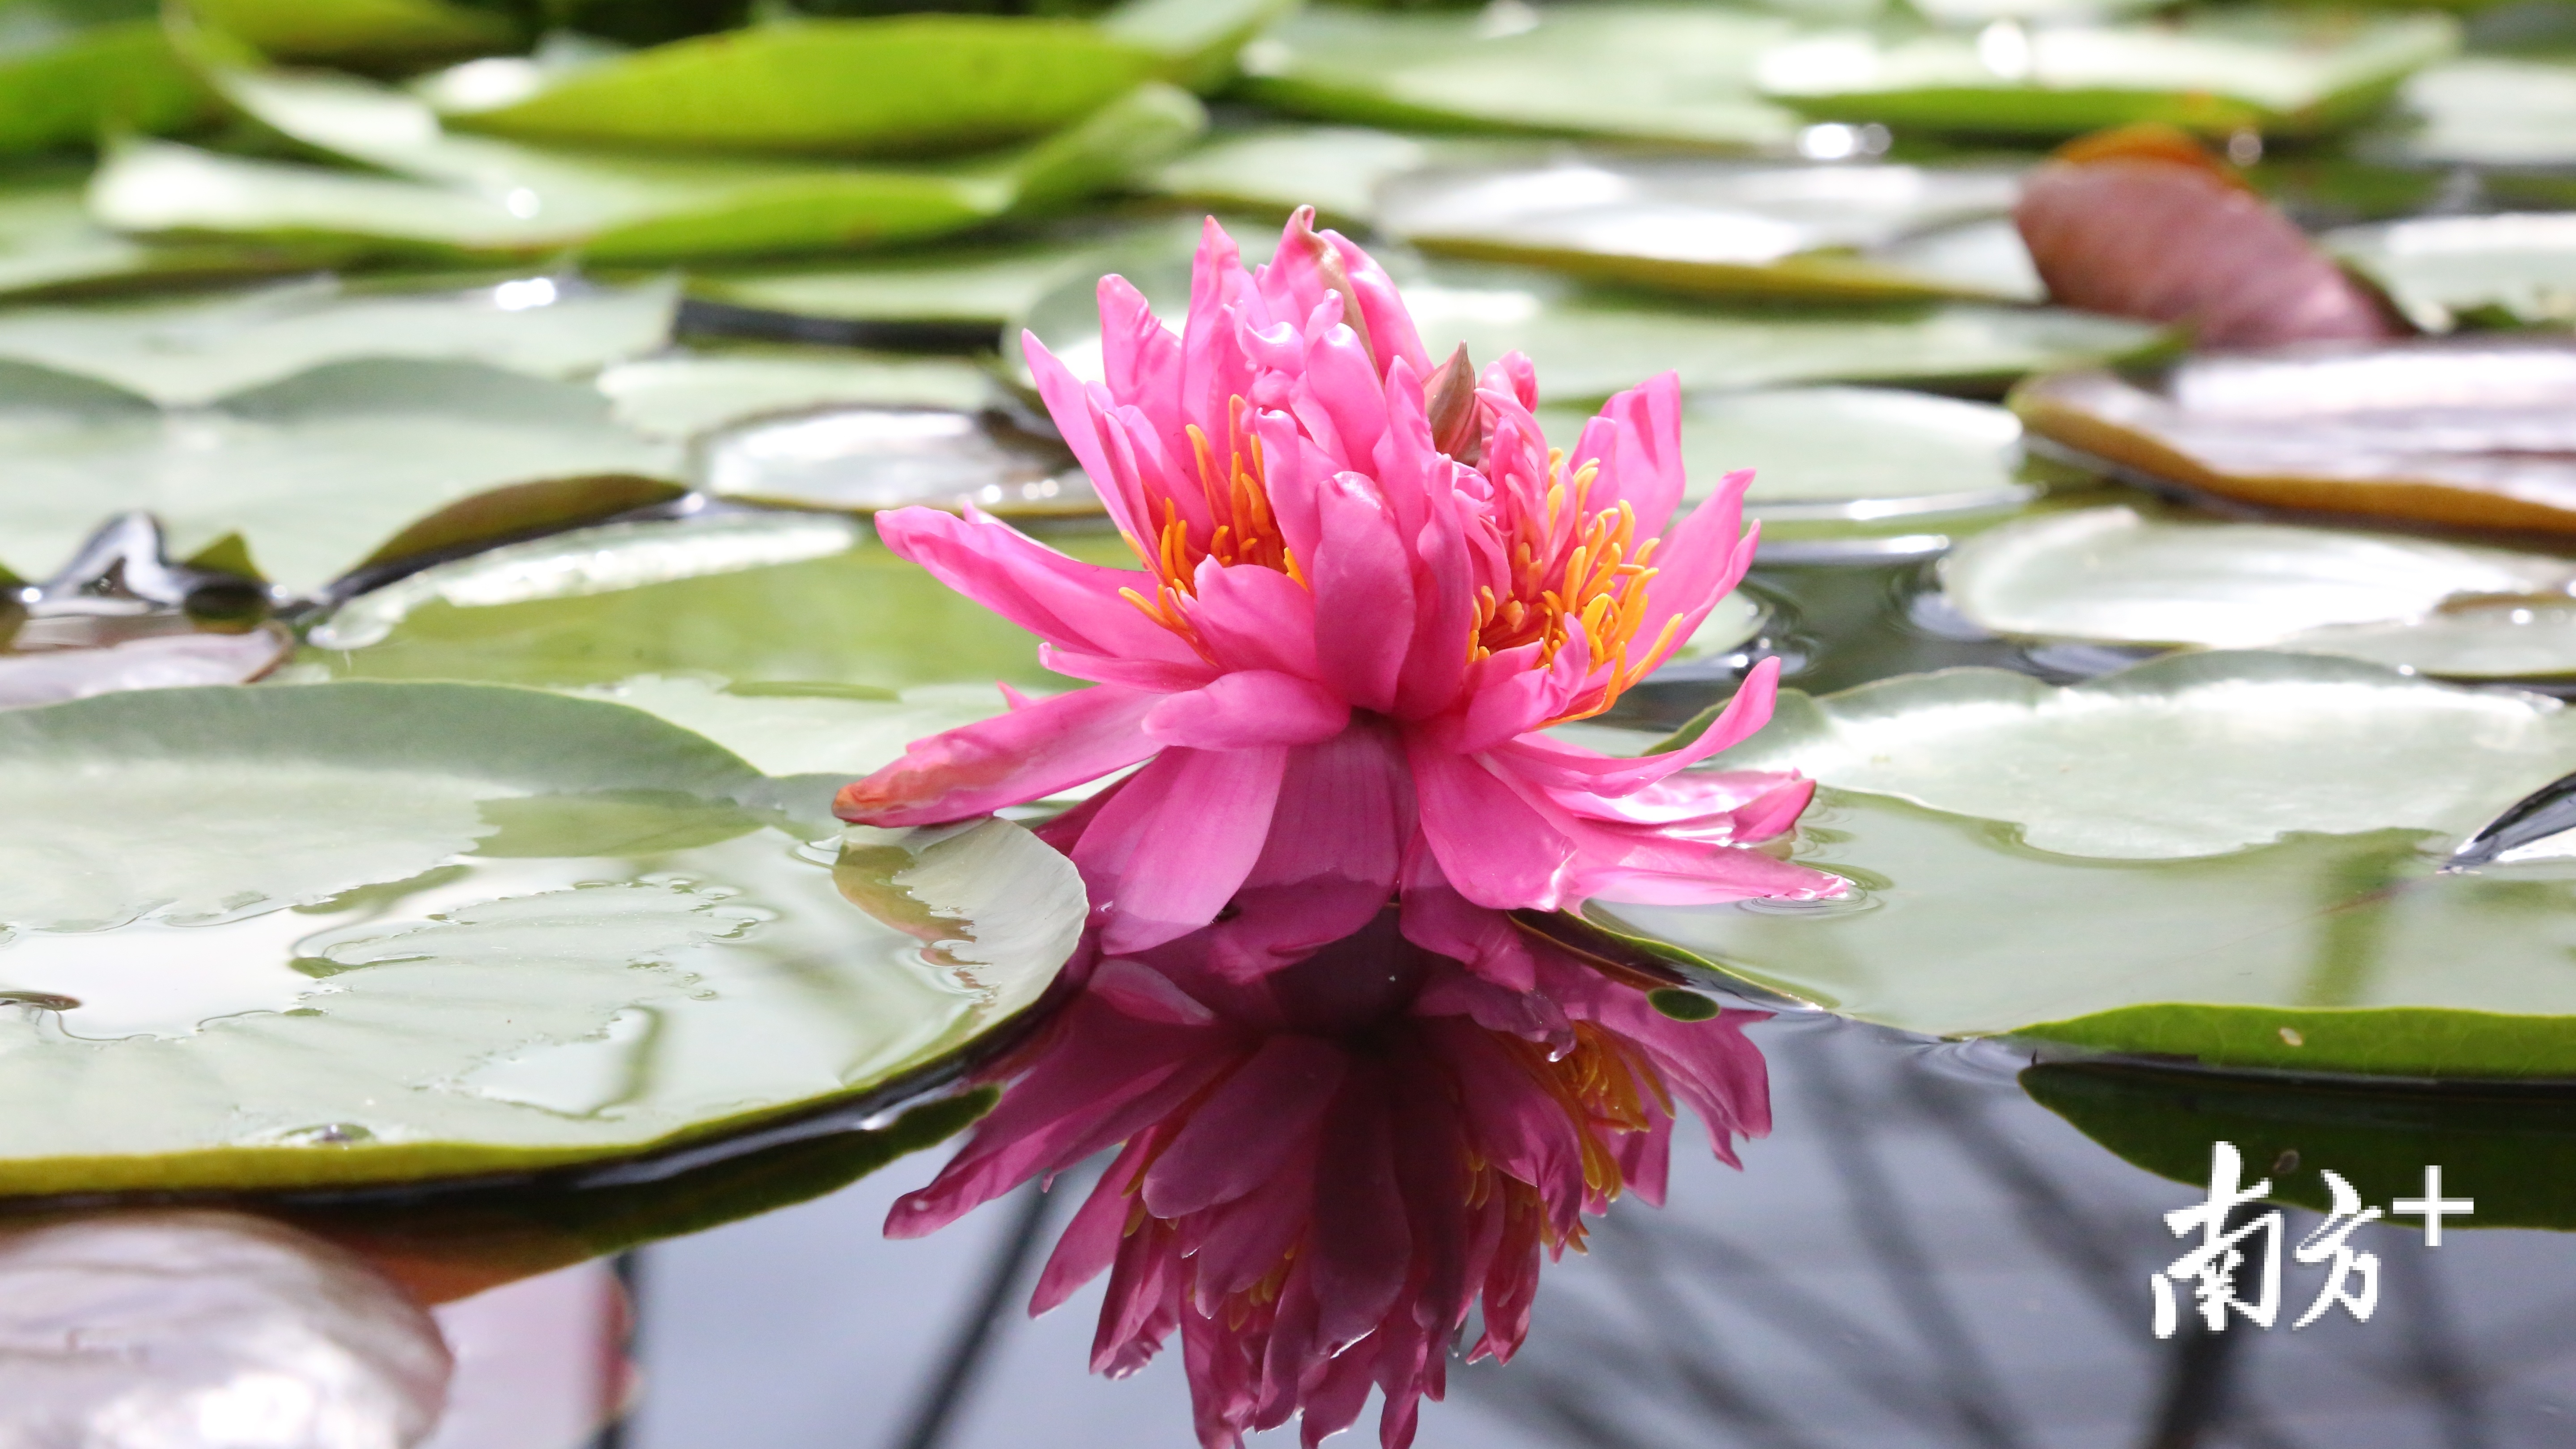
x=2507, y=1149
x=2518, y=268
x=315, y=471
x=2475, y=430
x=472, y=929
x=2216, y=73
x=2231, y=857
x=2116, y=576
x=1728, y=228
x=869, y=458
x=1639, y=72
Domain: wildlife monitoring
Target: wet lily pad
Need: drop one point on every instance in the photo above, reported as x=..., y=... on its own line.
x=2485, y=110
x=1846, y=452
x=2215, y=73
x=2117, y=576
x=891, y=86
x=485, y=195
x=1335, y=169
x=2234, y=857
x=1635, y=72
x=2517, y=268
x=316, y=471
x=361, y=33
x=2470, y=430
x=73, y=70
x=2508, y=1150
x=1588, y=344
x=686, y=395
x=961, y=284
x=701, y=596
x=50, y=244
x=806, y=729
x=862, y=459
x=1728, y=228
x=482, y=929
x=197, y=349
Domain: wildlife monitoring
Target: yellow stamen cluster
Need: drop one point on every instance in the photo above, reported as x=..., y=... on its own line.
x=1244, y=531
x=1599, y=584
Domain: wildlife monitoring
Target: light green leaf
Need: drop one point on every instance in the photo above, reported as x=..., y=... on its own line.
x=316, y=471
x=153, y=661
x=1337, y=170
x=1635, y=72
x=702, y=596
x=2215, y=73
x=1198, y=39
x=806, y=729
x=895, y=86
x=961, y=284
x=1719, y=228
x=2441, y=269
x=362, y=33
x=861, y=459
x=2116, y=576
x=2469, y=431
x=73, y=70
x=2227, y=856
x=2488, y=111
x=682, y=397
x=476, y=929
x=195, y=350
x=1844, y=452
x=49, y=244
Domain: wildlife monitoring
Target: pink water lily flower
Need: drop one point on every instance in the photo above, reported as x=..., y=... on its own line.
x=1368, y=585
x=1321, y=1170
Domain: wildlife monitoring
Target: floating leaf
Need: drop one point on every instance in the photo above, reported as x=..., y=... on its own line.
x=155, y=661
x=806, y=729
x=195, y=350
x=2214, y=74
x=362, y=33
x=2509, y=1148
x=865, y=459
x=473, y=929
x=316, y=471
x=2116, y=576
x=1197, y=39
x=980, y=284
x=1335, y=169
x=1845, y=452
x=2488, y=111
x=892, y=86
x=49, y=244
x=683, y=397
x=1727, y=228
x=1634, y=72
x=2234, y=857
x=72, y=70
x=700, y=596
x=2442, y=270
x=2473, y=431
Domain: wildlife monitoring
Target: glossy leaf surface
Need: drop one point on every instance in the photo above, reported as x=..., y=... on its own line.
x=2440, y=271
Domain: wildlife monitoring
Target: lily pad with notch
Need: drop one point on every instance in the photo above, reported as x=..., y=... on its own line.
x=341, y=934
x=2232, y=857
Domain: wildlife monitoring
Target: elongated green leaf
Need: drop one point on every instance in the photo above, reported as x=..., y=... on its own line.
x=1720, y=228
x=193, y=351
x=2217, y=73
x=2233, y=857
x=50, y=245
x=73, y=70
x=480, y=929
x=2115, y=576
x=2484, y=110
x=1638, y=72
x=359, y=32
x=884, y=87
x=2519, y=268
x=316, y=471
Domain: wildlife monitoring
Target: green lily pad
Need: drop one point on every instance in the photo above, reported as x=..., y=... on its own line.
x=478, y=929
x=893, y=86
x=2117, y=576
x=1589, y=344
x=958, y=284
x=72, y=70
x=1718, y=228
x=481, y=195
x=49, y=245
x=2470, y=430
x=2216, y=73
x=361, y=33
x=685, y=396
x=806, y=729
x=1851, y=453
x=862, y=459
x=2483, y=110
x=194, y=350
x=315, y=471
x=2234, y=857
x=2518, y=268
x=152, y=661
x=1335, y=169
x=701, y=596
x=1632, y=72
x=2508, y=1151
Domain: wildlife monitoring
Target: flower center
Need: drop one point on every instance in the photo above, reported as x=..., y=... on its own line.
x=1240, y=530
x=1568, y=566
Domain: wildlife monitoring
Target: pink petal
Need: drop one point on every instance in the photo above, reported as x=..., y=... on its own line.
x=1360, y=1239
x=1247, y=1128
x=1549, y=765
x=1167, y=854
x=1345, y=813
x=1251, y=617
x=1363, y=580
x=1070, y=603
x=1011, y=759
x=1643, y=464
x=1081, y=419
x=1490, y=843
x=1248, y=708
x=1090, y=1241
x=1141, y=360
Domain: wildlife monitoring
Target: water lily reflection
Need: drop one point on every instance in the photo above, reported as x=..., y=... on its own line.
x=1329, y=1157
